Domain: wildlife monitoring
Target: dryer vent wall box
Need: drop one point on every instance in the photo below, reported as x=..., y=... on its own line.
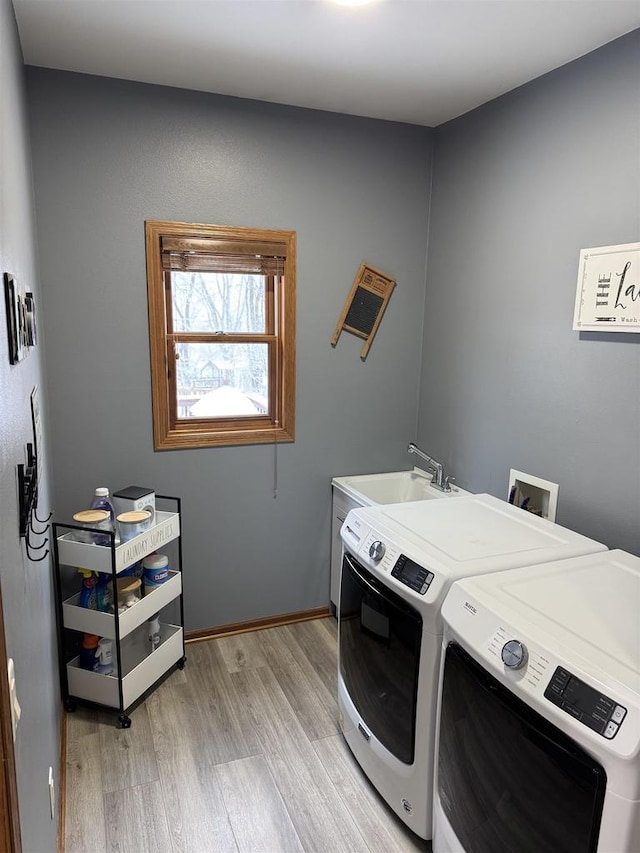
x=533, y=494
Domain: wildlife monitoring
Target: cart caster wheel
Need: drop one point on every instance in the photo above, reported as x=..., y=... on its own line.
x=181, y=663
x=70, y=705
x=124, y=722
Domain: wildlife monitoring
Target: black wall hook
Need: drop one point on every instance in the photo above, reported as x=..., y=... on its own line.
x=37, y=559
x=32, y=528
x=41, y=520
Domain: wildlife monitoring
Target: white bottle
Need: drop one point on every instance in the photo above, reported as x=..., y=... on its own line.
x=104, y=654
x=153, y=638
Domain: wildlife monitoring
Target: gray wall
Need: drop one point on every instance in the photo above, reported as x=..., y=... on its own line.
x=520, y=186
x=26, y=586
x=109, y=154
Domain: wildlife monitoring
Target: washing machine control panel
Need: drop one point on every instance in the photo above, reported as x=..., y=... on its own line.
x=412, y=575
x=587, y=705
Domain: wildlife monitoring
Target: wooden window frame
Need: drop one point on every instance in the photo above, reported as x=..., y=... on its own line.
x=278, y=425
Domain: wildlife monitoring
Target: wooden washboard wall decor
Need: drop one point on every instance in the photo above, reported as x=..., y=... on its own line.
x=365, y=306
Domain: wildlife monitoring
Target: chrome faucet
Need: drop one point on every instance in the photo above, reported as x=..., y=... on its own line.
x=438, y=481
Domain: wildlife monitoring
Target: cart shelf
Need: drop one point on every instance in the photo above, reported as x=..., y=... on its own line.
x=103, y=624
x=98, y=557
x=141, y=670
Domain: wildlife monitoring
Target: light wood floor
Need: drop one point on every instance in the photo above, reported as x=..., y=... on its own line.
x=241, y=751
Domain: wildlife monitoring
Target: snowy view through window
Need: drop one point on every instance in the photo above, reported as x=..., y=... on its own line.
x=225, y=377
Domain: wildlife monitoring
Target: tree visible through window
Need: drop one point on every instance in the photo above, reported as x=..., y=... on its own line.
x=222, y=334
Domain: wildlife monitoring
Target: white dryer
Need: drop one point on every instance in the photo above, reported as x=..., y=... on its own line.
x=398, y=564
x=538, y=745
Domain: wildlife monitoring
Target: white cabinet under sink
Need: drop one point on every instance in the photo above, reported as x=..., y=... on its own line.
x=342, y=504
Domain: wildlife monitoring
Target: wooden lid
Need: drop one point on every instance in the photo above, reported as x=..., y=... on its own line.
x=136, y=516
x=127, y=584
x=91, y=516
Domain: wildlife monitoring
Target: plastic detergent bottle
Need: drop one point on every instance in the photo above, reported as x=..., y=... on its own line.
x=153, y=633
x=102, y=500
x=104, y=655
x=89, y=652
x=104, y=593
x=134, y=570
x=88, y=592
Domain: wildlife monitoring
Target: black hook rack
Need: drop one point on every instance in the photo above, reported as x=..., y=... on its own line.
x=28, y=502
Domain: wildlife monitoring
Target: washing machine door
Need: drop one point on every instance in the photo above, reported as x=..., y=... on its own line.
x=379, y=651
x=507, y=779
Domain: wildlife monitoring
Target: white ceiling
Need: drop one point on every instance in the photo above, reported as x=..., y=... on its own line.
x=418, y=61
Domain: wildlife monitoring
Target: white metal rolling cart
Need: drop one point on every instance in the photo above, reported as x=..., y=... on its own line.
x=136, y=668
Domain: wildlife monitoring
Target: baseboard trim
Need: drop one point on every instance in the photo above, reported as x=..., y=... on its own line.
x=255, y=625
x=62, y=783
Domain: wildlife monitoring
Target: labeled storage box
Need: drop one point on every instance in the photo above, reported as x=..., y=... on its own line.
x=135, y=498
x=99, y=557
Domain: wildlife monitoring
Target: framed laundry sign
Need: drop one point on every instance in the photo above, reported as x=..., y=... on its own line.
x=608, y=289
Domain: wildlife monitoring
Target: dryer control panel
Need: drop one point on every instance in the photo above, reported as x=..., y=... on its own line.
x=412, y=575
x=581, y=701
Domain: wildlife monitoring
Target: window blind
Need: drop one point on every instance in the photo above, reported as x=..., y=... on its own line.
x=184, y=254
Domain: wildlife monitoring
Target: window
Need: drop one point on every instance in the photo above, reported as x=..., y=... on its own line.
x=222, y=334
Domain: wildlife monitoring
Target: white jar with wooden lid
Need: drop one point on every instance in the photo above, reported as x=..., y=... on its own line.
x=131, y=524
x=99, y=520
x=129, y=591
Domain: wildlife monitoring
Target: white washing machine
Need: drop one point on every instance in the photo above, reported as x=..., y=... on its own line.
x=538, y=745
x=399, y=561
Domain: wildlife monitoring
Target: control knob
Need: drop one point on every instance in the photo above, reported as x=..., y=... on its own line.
x=376, y=551
x=514, y=654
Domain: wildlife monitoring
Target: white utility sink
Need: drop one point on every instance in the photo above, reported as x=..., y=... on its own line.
x=372, y=490
x=394, y=487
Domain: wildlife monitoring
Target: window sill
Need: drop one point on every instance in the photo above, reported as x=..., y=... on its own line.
x=186, y=439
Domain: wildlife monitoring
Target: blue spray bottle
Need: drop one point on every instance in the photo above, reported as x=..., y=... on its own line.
x=104, y=593
x=88, y=591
